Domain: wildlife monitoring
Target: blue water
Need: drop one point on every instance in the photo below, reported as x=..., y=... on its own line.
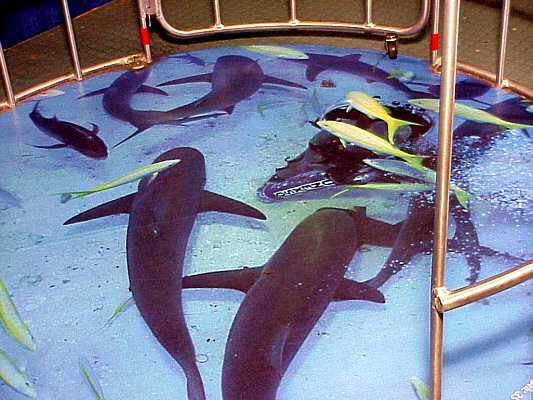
x=67, y=281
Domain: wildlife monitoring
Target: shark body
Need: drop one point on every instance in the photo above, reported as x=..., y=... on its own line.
x=162, y=215
x=287, y=296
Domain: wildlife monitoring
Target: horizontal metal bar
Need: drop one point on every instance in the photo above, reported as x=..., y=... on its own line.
x=446, y=300
x=293, y=24
x=134, y=61
x=487, y=76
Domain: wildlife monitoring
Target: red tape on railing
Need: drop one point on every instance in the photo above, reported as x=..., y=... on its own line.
x=434, y=46
x=145, y=39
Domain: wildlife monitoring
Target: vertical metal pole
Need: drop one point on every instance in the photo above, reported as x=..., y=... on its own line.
x=72, y=42
x=447, y=98
x=369, y=13
x=293, y=11
x=145, y=38
x=506, y=8
x=216, y=10
x=5, y=77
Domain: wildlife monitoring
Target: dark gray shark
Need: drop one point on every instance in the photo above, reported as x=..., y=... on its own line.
x=234, y=79
x=70, y=135
x=351, y=64
x=117, y=103
x=287, y=297
x=162, y=215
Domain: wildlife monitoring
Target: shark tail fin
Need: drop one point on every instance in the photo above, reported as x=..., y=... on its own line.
x=140, y=130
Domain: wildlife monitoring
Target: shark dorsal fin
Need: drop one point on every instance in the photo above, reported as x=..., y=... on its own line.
x=151, y=90
x=312, y=72
x=189, y=79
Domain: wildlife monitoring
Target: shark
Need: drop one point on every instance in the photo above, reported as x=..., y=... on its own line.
x=287, y=296
x=326, y=164
x=161, y=216
x=70, y=135
x=317, y=63
x=234, y=79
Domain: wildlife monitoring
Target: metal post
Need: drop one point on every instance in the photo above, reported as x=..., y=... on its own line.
x=447, y=98
x=216, y=11
x=5, y=77
x=369, y=16
x=72, y=41
x=506, y=8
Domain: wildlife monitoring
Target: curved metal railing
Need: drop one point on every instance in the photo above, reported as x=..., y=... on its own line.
x=444, y=61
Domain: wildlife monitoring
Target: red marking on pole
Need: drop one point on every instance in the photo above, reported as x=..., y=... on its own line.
x=145, y=39
x=434, y=46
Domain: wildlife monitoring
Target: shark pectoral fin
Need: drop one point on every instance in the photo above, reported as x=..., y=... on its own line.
x=121, y=205
x=312, y=72
x=54, y=146
x=275, y=357
x=238, y=279
x=95, y=93
x=352, y=290
x=283, y=82
x=229, y=110
x=140, y=130
x=189, y=79
x=151, y=90
x=216, y=202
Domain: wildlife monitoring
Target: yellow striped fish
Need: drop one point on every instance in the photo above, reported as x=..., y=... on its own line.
x=278, y=51
x=128, y=178
x=470, y=113
x=12, y=320
x=368, y=105
x=353, y=134
x=14, y=377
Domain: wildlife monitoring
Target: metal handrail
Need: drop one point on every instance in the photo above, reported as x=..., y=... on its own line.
x=148, y=8
x=442, y=299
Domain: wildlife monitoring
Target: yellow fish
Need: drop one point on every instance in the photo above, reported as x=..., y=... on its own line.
x=15, y=377
x=90, y=378
x=128, y=178
x=390, y=187
x=12, y=321
x=425, y=174
x=353, y=134
x=278, y=51
x=470, y=113
x=368, y=105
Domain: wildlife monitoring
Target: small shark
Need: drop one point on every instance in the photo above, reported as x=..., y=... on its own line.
x=285, y=298
x=117, y=103
x=70, y=135
x=316, y=63
x=162, y=215
x=234, y=79
x=351, y=64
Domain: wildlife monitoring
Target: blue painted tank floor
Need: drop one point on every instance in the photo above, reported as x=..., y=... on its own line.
x=67, y=281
